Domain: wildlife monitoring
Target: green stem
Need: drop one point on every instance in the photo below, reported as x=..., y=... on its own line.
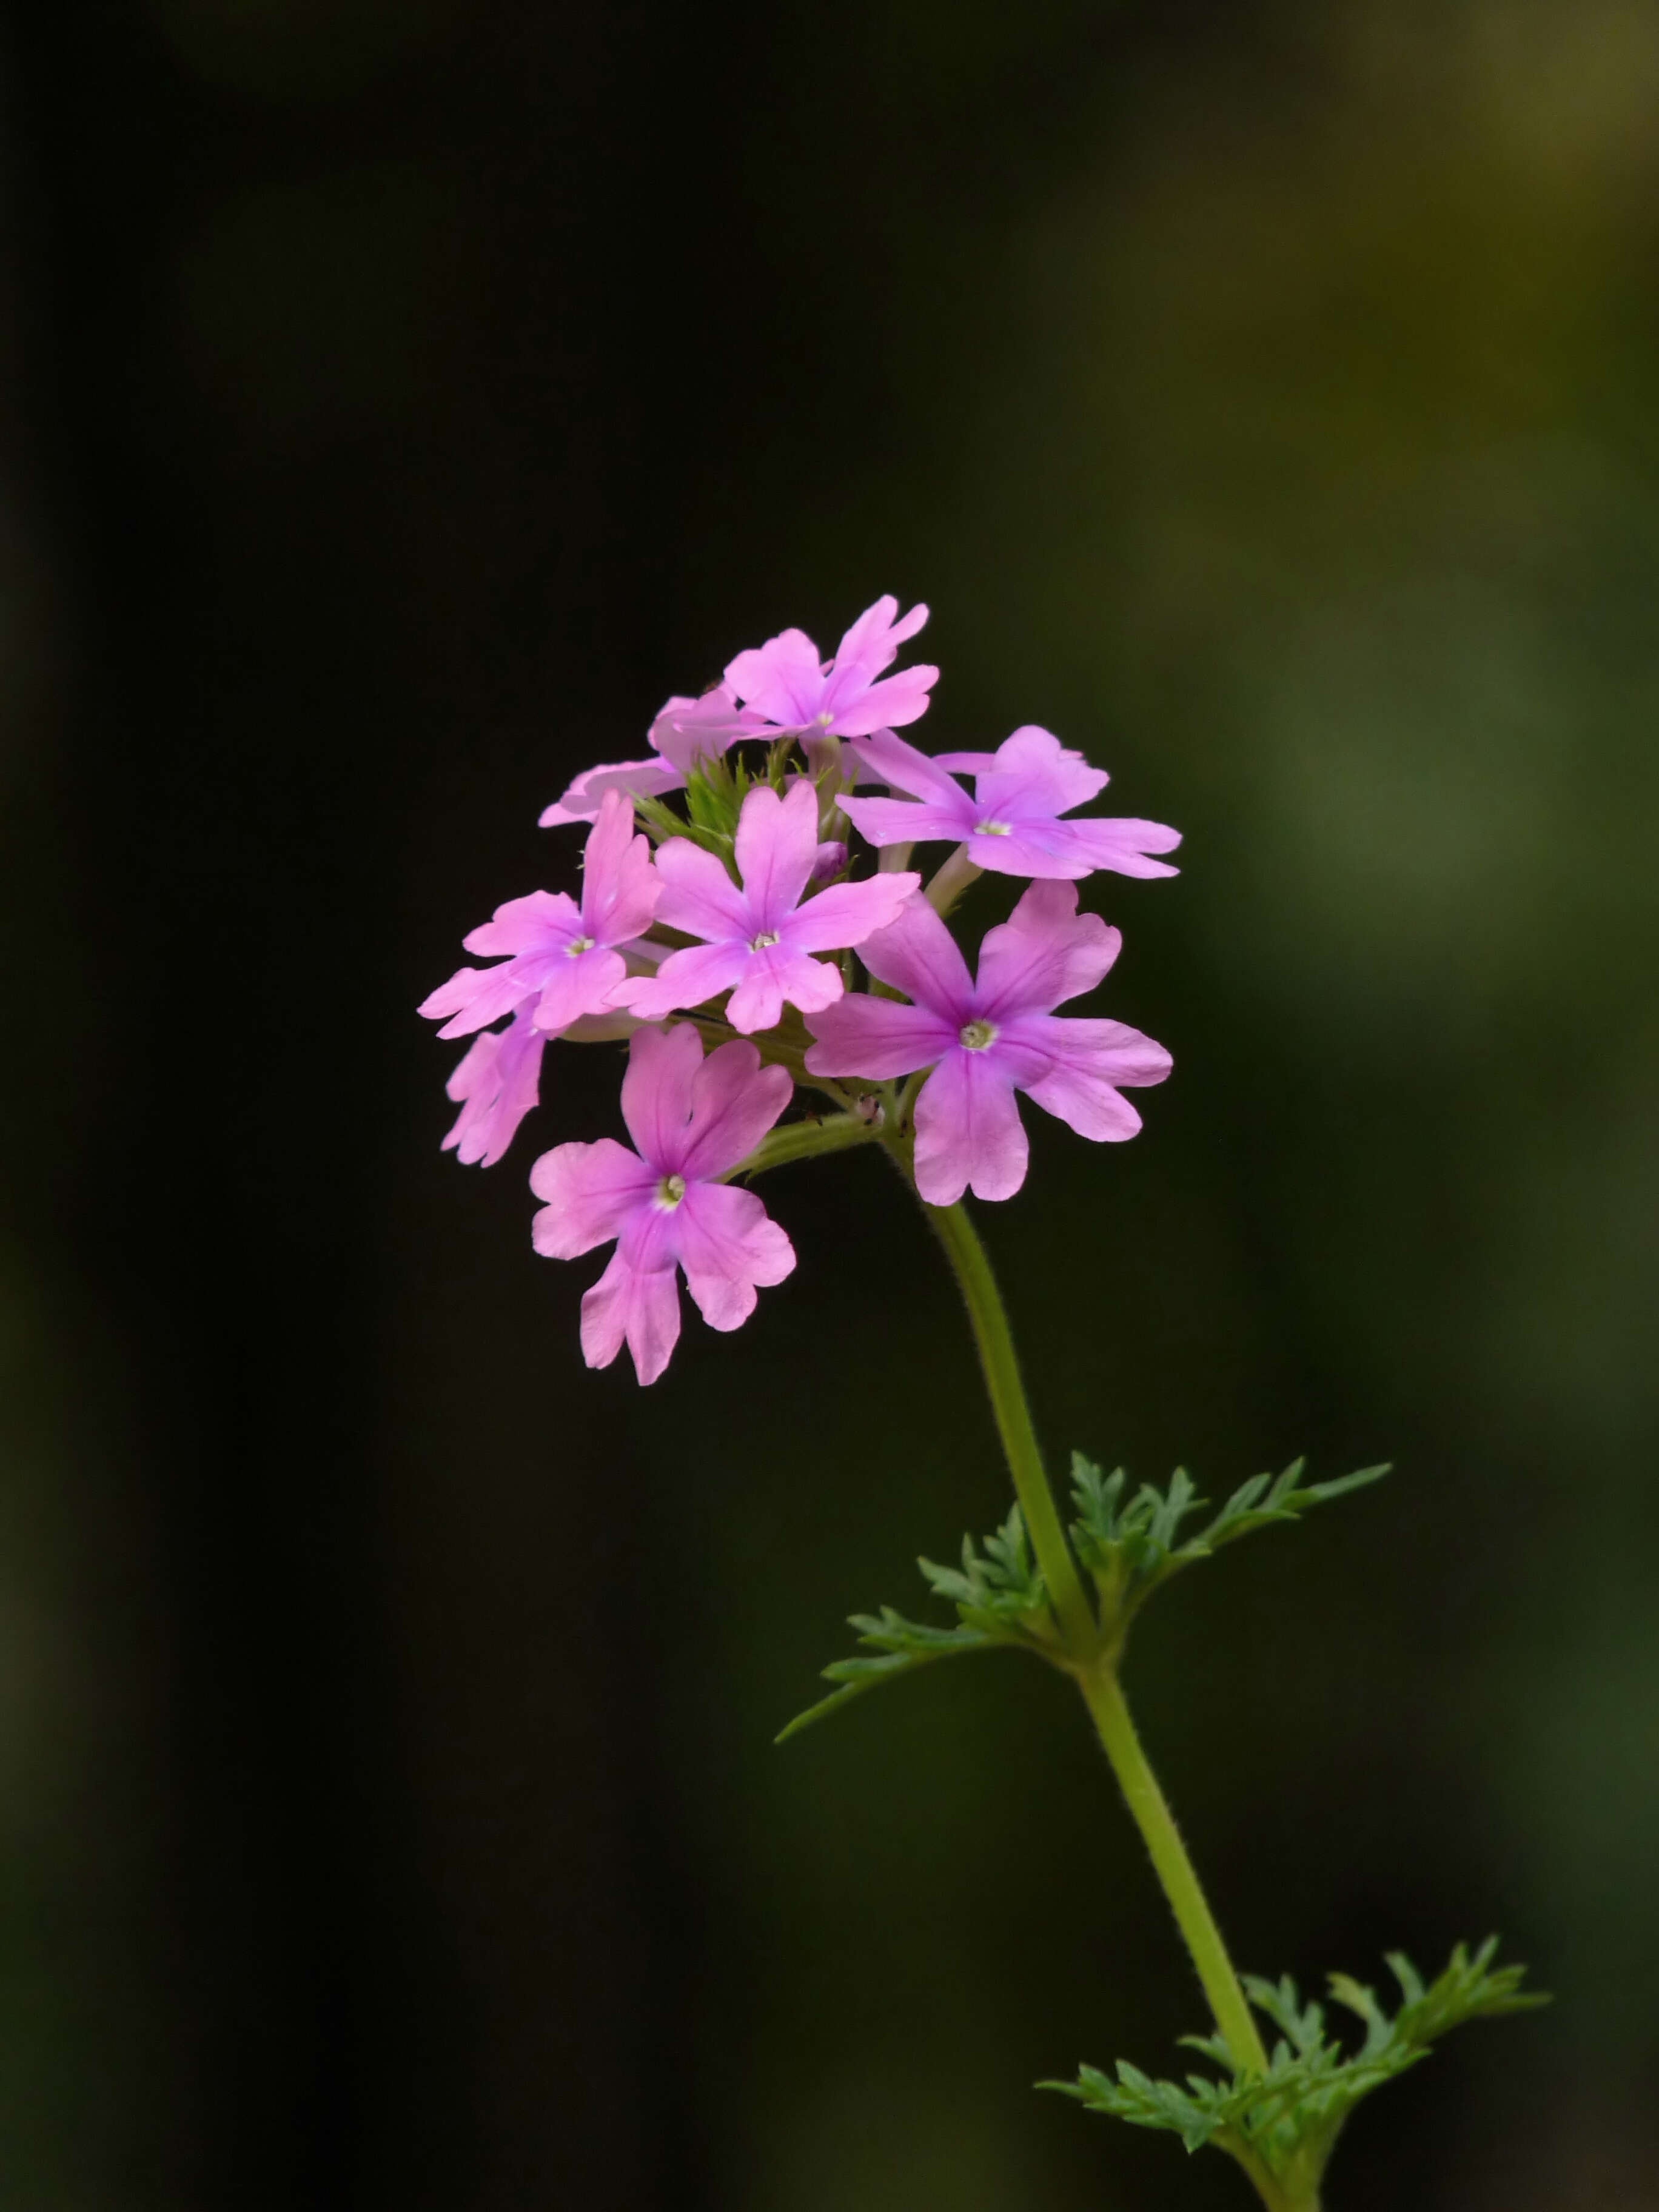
x=1094, y=1669
x=801, y=1140
x=1000, y=1363
x=1104, y=1695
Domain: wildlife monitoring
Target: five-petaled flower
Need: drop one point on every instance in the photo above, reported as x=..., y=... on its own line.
x=985, y=1039
x=1012, y=823
x=693, y=1120
x=785, y=682
x=759, y=936
x=564, y=957
x=685, y=731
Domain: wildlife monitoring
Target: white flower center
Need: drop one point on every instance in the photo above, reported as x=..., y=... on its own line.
x=768, y=937
x=824, y=718
x=975, y=1036
x=577, y=946
x=670, y=1191
x=993, y=829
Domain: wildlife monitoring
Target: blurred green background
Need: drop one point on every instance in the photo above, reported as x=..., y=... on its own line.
x=400, y=402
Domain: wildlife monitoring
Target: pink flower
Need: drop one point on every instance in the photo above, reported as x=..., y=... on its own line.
x=563, y=956
x=985, y=1040
x=758, y=937
x=685, y=731
x=785, y=681
x=498, y=1082
x=1011, y=823
x=693, y=1120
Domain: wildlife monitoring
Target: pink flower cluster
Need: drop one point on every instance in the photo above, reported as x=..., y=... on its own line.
x=747, y=955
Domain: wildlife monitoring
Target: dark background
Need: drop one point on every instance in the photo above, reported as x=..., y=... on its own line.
x=399, y=400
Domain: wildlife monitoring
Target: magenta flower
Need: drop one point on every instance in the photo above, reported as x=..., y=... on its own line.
x=693, y=1120
x=563, y=956
x=758, y=937
x=498, y=1082
x=685, y=731
x=985, y=1040
x=785, y=681
x=1011, y=823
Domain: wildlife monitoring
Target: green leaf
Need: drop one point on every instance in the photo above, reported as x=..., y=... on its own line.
x=999, y=1598
x=1287, y=2120
x=1130, y=1547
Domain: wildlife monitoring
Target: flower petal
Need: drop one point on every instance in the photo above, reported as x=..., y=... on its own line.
x=1044, y=953
x=917, y=955
x=969, y=1133
x=533, y=924
x=588, y=1193
x=641, y=1306
x=474, y=997
x=776, y=845
x=860, y=1035
x=687, y=978
x=1087, y=1060
x=1035, y=775
x=573, y=988
x=896, y=698
x=900, y=765
x=499, y=1080
x=620, y=887
x=697, y=894
x=777, y=976
x=642, y=779
x=847, y=913
x=656, y=1093
x=906, y=821
x=734, y=1102
x=687, y=731
x=783, y=679
x=728, y=1244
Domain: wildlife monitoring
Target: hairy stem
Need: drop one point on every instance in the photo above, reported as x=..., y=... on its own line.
x=1094, y=1669
x=802, y=1141
x=1104, y=1695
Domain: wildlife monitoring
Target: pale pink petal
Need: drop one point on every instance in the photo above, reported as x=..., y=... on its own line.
x=1044, y=953
x=894, y=700
x=656, y=1091
x=847, y=913
x=697, y=894
x=860, y=1035
x=527, y=925
x=620, y=887
x=874, y=639
x=783, y=679
x=1071, y=850
x=968, y=1133
x=775, y=976
x=479, y=996
x=899, y=764
x=588, y=1193
x=643, y=778
x=499, y=1079
x=687, y=731
x=728, y=1245
x=776, y=844
x=734, y=1102
x=917, y=955
x=639, y=1306
x=578, y=985
x=907, y=820
x=1084, y=1069
x=1036, y=775
x=687, y=978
